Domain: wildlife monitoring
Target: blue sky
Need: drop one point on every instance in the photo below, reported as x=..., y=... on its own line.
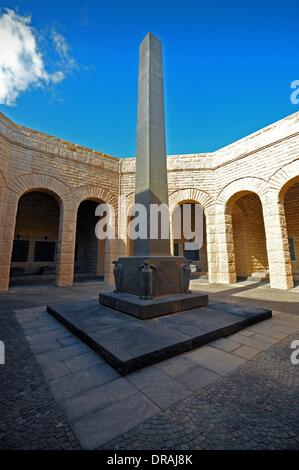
x=228, y=66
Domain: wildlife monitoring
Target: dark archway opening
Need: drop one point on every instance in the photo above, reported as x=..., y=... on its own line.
x=89, y=251
x=291, y=205
x=197, y=257
x=34, y=254
x=251, y=260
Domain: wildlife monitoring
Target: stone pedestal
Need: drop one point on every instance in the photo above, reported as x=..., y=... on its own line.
x=152, y=308
x=152, y=276
x=148, y=287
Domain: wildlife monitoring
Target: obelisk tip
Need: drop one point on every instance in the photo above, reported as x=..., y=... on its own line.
x=151, y=38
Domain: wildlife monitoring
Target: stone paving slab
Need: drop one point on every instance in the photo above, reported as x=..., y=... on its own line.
x=159, y=387
x=56, y=370
x=62, y=353
x=83, y=361
x=226, y=344
x=246, y=352
x=71, y=385
x=95, y=429
x=165, y=392
x=175, y=365
x=98, y=398
x=129, y=344
x=197, y=378
x=220, y=362
x=252, y=341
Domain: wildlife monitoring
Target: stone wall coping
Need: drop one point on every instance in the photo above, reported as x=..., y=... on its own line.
x=41, y=142
x=270, y=135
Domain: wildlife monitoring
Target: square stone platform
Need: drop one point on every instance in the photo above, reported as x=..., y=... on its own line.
x=156, y=307
x=128, y=343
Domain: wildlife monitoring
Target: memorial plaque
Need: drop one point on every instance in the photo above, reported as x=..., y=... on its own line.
x=20, y=251
x=44, y=251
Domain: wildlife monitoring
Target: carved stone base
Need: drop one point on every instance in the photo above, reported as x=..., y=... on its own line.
x=157, y=307
x=152, y=276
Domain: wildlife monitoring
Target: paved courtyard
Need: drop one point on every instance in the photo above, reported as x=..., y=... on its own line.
x=240, y=392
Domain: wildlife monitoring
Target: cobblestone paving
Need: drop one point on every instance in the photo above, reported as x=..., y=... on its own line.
x=255, y=407
x=52, y=385
x=29, y=416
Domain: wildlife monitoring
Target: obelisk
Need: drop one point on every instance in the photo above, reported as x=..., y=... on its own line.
x=151, y=172
x=151, y=283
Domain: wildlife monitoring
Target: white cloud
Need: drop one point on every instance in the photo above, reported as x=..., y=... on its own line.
x=61, y=45
x=63, y=50
x=22, y=64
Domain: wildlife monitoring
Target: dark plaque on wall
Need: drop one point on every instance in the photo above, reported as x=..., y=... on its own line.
x=20, y=251
x=44, y=251
x=292, y=249
x=192, y=255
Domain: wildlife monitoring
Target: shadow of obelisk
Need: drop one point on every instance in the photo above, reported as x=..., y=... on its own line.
x=151, y=282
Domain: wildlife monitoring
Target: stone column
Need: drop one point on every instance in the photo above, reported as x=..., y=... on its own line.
x=7, y=229
x=211, y=245
x=171, y=232
x=123, y=242
x=280, y=268
x=2, y=196
x=66, y=247
x=151, y=171
x=224, y=254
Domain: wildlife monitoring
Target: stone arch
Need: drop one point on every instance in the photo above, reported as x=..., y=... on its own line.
x=245, y=234
x=16, y=188
x=98, y=194
x=203, y=263
x=280, y=262
x=39, y=182
x=190, y=194
x=242, y=185
x=83, y=193
x=35, y=227
x=283, y=178
x=286, y=185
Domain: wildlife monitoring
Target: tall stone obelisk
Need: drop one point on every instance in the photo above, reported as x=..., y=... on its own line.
x=151, y=172
x=151, y=282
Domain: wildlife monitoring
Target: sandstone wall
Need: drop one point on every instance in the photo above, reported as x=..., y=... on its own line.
x=264, y=163
x=34, y=161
